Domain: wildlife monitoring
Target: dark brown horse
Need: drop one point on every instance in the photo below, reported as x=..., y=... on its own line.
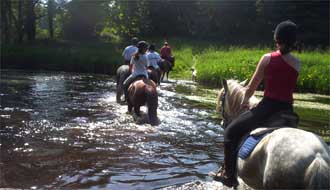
x=141, y=92
x=122, y=74
x=165, y=67
x=153, y=75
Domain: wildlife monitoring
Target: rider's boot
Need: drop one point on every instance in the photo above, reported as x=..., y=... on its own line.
x=227, y=173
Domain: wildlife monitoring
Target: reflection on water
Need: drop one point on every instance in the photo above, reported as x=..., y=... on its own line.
x=62, y=130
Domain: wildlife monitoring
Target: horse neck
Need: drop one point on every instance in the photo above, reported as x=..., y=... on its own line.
x=235, y=96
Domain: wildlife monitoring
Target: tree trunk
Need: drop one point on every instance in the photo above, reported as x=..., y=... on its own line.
x=51, y=10
x=20, y=22
x=4, y=22
x=30, y=22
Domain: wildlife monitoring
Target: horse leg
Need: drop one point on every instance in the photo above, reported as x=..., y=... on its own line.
x=137, y=110
x=167, y=75
x=163, y=74
x=130, y=106
x=119, y=89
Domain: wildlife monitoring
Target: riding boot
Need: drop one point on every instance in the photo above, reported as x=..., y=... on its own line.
x=227, y=173
x=126, y=94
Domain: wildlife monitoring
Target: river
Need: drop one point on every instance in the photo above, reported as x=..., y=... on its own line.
x=66, y=131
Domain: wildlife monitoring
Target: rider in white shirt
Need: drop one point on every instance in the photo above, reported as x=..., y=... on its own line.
x=154, y=58
x=129, y=51
x=138, y=65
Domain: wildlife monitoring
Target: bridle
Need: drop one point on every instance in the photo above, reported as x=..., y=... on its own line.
x=225, y=120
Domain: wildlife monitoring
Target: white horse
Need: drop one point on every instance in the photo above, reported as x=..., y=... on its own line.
x=287, y=158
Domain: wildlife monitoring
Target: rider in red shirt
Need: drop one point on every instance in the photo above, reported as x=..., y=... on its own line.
x=279, y=70
x=166, y=53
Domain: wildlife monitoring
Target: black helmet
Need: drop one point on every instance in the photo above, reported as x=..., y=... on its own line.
x=142, y=44
x=152, y=47
x=134, y=40
x=285, y=33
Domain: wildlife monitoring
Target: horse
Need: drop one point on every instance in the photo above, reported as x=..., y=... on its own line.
x=165, y=67
x=121, y=75
x=287, y=158
x=153, y=75
x=143, y=91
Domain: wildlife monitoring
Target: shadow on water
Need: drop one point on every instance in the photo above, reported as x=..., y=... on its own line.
x=61, y=130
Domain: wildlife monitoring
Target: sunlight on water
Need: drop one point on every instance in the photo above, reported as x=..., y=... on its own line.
x=67, y=131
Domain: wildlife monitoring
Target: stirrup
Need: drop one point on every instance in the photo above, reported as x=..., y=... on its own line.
x=229, y=182
x=220, y=176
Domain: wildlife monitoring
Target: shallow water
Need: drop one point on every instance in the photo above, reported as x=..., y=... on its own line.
x=61, y=130
x=64, y=130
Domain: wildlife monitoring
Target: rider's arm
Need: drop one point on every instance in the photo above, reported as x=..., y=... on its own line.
x=131, y=65
x=256, y=79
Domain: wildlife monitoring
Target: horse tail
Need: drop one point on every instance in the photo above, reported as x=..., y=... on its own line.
x=152, y=103
x=318, y=174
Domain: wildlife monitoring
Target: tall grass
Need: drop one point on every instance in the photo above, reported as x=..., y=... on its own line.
x=91, y=58
x=214, y=62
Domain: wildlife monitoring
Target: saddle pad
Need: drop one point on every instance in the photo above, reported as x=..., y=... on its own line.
x=248, y=145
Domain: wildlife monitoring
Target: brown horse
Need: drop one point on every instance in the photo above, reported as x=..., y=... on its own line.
x=153, y=75
x=165, y=67
x=141, y=92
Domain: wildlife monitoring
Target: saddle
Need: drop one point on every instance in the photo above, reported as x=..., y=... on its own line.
x=281, y=119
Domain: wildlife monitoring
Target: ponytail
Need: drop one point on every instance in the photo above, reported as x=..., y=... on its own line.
x=137, y=55
x=284, y=49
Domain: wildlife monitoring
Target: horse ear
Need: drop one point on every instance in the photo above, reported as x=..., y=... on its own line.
x=244, y=83
x=225, y=85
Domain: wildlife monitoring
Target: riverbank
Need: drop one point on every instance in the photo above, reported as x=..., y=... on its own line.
x=313, y=109
x=213, y=61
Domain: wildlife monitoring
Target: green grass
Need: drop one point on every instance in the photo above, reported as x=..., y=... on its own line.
x=212, y=60
x=215, y=61
x=73, y=57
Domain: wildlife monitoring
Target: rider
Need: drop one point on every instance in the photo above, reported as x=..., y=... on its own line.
x=166, y=53
x=154, y=59
x=280, y=70
x=138, y=65
x=129, y=51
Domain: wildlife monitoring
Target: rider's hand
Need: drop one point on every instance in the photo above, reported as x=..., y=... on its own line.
x=245, y=105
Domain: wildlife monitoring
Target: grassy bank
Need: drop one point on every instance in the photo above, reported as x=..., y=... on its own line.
x=72, y=57
x=212, y=60
x=214, y=63
x=313, y=109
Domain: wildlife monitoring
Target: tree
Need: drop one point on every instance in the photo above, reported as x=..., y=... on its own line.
x=51, y=12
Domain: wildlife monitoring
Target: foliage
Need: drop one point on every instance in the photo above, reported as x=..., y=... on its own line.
x=231, y=22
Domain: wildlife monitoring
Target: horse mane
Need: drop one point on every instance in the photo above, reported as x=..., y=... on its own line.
x=234, y=98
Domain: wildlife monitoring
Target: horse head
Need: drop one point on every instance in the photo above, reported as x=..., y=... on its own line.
x=230, y=98
x=153, y=74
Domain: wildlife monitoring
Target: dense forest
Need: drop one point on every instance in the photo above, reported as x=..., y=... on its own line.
x=233, y=22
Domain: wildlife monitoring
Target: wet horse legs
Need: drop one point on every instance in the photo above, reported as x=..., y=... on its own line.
x=137, y=110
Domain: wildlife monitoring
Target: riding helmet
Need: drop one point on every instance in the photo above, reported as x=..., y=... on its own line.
x=152, y=47
x=285, y=33
x=142, y=44
x=134, y=40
